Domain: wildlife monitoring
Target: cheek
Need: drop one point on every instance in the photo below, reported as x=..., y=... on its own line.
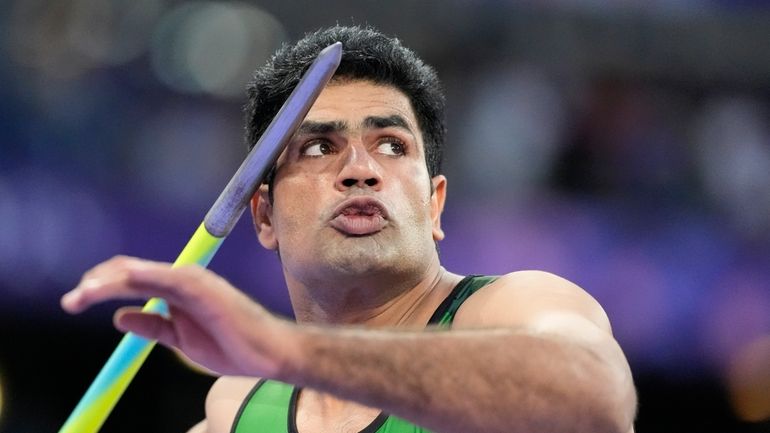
x=297, y=204
x=421, y=182
x=416, y=192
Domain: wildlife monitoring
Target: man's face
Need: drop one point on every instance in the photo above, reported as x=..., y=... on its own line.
x=352, y=195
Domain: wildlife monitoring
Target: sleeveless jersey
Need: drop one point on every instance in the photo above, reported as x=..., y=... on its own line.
x=271, y=405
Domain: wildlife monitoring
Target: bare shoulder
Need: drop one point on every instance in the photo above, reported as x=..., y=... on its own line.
x=224, y=400
x=532, y=299
x=540, y=304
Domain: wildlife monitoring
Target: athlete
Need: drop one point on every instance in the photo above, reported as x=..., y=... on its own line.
x=385, y=339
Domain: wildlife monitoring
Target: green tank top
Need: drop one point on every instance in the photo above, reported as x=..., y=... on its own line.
x=271, y=405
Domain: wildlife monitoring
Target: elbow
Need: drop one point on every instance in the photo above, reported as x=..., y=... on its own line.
x=594, y=396
x=599, y=390
x=615, y=400
x=625, y=406
x=617, y=416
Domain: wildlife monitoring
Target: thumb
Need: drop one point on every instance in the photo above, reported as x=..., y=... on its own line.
x=148, y=325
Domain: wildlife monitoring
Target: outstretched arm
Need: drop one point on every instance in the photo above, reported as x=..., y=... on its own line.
x=522, y=360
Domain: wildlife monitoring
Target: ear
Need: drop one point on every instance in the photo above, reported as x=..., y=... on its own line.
x=437, y=205
x=262, y=214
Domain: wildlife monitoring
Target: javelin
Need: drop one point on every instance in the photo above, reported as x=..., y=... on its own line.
x=113, y=379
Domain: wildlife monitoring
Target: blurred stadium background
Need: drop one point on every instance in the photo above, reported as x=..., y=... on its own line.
x=622, y=144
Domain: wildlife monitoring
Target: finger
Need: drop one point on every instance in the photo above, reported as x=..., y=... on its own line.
x=113, y=265
x=94, y=290
x=148, y=325
x=125, y=278
x=165, y=281
x=188, y=287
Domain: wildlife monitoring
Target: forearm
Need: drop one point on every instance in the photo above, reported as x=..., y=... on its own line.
x=471, y=380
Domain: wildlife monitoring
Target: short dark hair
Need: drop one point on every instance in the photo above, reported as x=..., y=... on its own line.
x=367, y=55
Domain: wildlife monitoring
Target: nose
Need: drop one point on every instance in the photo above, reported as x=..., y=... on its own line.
x=359, y=169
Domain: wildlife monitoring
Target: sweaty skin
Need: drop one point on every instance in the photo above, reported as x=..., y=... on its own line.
x=355, y=218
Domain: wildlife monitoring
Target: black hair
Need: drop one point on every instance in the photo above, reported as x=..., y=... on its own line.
x=367, y=55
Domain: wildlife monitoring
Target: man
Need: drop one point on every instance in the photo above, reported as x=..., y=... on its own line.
x=353, y=209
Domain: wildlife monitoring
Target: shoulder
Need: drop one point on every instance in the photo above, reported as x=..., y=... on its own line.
x=547, y=307
x=531, y=299
x=224, y=400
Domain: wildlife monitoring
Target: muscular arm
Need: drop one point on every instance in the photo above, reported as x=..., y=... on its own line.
x=531, y=352
x=523, y=362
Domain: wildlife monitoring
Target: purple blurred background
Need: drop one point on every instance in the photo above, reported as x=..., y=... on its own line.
x=623, y=145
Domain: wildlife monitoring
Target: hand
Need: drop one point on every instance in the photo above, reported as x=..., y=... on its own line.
x=210, y=321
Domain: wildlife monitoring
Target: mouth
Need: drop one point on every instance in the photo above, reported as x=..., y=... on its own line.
x=360, y=216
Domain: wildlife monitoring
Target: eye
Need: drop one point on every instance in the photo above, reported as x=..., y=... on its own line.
x=316, y=148
x=392, y=147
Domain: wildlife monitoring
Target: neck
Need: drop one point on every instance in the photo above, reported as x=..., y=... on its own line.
x=372, y=302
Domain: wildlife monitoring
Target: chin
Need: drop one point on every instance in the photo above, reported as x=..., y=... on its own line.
x=369, y=257
x=359, y=265
x=368, y=263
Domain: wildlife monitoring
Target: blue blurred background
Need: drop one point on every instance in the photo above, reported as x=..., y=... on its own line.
x=624, y=145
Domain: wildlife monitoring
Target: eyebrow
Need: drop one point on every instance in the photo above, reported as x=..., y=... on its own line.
x=378, y=122
x=311, y=127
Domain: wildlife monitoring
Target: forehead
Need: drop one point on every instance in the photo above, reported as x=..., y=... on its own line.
x=353, y=101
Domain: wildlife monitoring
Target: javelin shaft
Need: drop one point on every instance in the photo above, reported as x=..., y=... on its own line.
x=125, y=361
x=121, y=367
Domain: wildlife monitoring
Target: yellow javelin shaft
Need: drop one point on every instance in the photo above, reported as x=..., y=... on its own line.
x=121, y=367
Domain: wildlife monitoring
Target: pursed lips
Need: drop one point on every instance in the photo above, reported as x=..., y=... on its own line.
x=360, y=216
